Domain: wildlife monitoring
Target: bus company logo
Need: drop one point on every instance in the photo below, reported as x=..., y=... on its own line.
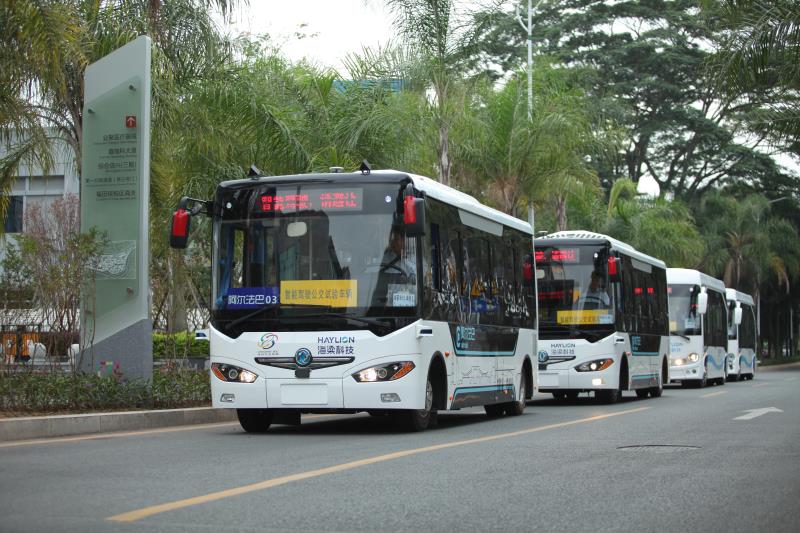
x=464, y=336
x=268, y=340
x=302, y=357
x=543, y=356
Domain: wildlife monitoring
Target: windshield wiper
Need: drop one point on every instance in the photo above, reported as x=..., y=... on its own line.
x=679, y=335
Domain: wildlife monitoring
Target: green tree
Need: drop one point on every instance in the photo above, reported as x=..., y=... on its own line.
x=644, y=64
x=759, y=60
x=45, y=46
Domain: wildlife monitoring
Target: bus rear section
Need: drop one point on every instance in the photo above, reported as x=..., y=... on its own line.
x=698, y=328
x=742, y=337
x=602, y=317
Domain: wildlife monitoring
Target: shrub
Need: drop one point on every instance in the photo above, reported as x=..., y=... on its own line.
x=34, y=391
x=177, y=345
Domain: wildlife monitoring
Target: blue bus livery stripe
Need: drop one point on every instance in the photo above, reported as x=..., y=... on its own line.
x=714, y=362
x=488, y=388
x=645, y=376
x=645, y=354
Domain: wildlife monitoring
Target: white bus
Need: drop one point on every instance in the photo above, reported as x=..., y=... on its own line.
x=602, y=317
x=742, y=335
x=381, y=291
x=698, y=320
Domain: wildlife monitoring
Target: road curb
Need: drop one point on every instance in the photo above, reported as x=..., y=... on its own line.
x=40, y=427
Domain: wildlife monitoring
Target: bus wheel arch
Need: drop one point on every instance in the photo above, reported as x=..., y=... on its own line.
x=437, y=373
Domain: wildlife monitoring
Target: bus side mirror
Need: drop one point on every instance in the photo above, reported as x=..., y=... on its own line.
x=414, y=216
x=702, y=303
x=614, y=270
x=179, y=233
x=737, y=315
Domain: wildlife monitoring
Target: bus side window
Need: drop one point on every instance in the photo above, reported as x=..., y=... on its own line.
x=434, y=266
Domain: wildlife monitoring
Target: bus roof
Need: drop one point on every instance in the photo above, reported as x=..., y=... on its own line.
x=695, y=277
x=737, y=296
x=431, y=187
x=590, y=237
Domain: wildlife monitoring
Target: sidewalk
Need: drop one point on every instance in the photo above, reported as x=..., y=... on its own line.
x=40, y=427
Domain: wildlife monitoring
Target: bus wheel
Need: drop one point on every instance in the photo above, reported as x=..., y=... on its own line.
x=494, y=410
x=255, y=420
x=608, y=396
x=704, y=380
x=516, y=408
x=642, y=393
x=421, y=419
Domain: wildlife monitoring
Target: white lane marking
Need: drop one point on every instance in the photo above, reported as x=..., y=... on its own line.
x=754, y=413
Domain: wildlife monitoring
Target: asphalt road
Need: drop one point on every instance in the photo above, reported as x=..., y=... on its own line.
x=678, y=463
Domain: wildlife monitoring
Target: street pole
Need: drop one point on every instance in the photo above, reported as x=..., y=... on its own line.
x=529, y=29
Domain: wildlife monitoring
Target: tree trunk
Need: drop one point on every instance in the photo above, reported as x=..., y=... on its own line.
x=561, y=212
x=444, y=153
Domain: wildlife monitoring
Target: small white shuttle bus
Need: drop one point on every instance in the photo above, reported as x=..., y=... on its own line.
x=742, y=335
x=698, y=321
x=602, y=317
x=381, y=291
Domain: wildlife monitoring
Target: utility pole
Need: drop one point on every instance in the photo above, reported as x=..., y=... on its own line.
x=529, y=30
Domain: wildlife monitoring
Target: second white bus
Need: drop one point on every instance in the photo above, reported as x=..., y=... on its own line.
x=698, y=328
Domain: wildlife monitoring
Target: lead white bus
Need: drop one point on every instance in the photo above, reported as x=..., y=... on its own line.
x=742, y=335
x=602, y=317
x=698, y=320
x=381, y=291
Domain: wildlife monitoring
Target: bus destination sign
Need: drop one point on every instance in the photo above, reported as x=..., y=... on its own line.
x=312, y=199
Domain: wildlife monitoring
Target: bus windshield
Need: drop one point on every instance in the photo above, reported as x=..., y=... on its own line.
x=683, y=318
x=573, y=286
x=300, y=249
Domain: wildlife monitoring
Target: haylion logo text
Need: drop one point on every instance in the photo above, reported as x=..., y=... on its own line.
x=268, y=340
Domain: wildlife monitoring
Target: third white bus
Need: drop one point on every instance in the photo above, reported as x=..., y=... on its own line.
x=742, y=335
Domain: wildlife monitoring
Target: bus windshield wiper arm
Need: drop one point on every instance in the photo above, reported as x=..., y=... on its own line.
x=679, y=335
x=251, y=314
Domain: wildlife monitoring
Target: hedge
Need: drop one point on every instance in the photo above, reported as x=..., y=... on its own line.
x=177, y=345
x=49, y=391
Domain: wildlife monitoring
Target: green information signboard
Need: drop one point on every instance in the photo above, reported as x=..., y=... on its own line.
x=115, y=172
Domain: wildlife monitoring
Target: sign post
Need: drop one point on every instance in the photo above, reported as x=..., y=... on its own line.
x=116, y=328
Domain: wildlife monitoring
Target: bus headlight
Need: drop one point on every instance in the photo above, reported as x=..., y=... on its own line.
x=595, y=366
x=692, y=358
x=232, y=374
x=389, y=372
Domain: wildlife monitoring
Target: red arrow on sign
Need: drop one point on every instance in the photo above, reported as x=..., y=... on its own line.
x=130, y=121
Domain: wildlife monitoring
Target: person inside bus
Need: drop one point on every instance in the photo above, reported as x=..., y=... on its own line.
x=395, y=261
x=596, y=296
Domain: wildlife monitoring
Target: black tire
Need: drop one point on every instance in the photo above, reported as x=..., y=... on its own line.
x=420, y=419
x=685, y=384
x=517, y=407
x=658, y=390
x=642, y=393
x=494, y=410
x=608, y=396
x=255, y=420
x=704, y=380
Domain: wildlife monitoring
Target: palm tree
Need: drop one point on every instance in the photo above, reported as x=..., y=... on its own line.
x=45, y=48
x=444, y=41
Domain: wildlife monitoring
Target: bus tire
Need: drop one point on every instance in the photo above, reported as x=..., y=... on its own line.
x=642, y=393
x=493, y=410
x=702, y=382
x=517, y=407
x=608, y=396
x=420, y=419
x=255, y=420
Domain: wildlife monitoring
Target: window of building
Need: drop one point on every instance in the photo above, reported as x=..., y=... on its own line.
x=13, y=221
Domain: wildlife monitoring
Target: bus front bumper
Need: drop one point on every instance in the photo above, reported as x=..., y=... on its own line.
x=570, y=379
x=318, y=394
